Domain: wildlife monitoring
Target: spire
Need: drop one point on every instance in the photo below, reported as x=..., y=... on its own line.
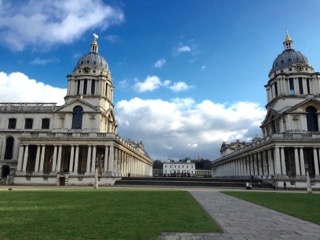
x=94, y=44
x=287, y=42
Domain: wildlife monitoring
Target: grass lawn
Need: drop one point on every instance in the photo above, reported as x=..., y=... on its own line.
x=100, y=214
x=301, y=205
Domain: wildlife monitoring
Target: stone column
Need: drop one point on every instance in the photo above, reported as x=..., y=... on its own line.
x=111, y=160
x=76, y=160
x=270, y=162
x=36, y=166
x=54, y=160
x=303, y=170
x=71, y=159
x=277, y=167
x=316, y=162
x=94, y=156
x=59, y=158
x=88, y=160
x=296, y=160
x=43, y=151
x=25, y=158
x=283, y=162
x=106, y=156
x=20, y=158
x=116, y=162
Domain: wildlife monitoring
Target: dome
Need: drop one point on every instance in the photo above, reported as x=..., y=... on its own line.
x=287, y=58
x=93, y=59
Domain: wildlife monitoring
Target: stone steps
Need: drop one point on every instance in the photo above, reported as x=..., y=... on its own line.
x=169, y=181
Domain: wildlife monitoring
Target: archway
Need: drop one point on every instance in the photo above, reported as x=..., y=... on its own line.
x=5, y=171
x=312, y=119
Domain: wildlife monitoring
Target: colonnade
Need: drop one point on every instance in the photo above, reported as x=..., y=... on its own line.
x=274, y=162
x=110, y=160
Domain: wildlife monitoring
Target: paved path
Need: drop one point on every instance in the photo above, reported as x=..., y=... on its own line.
x=243, y=220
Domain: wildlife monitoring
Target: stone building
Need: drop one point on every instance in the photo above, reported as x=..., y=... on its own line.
x=290, y=147
x=42, y=143
x=172, y=168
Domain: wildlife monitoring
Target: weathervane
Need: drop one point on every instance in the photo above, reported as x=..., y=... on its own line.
x=95, y=36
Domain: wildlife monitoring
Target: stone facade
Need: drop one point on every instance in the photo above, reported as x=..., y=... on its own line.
x=179, y=168
x=42, y=143
x=290, y=148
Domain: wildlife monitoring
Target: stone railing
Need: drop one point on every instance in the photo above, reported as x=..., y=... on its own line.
x=11, y=107
x=304, y=136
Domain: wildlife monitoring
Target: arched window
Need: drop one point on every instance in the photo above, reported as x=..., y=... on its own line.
x=77, y=117
x=312, y=119
x=9, y=148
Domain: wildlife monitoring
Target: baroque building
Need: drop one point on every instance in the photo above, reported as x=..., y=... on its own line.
x=290, y=147
x=42, y=143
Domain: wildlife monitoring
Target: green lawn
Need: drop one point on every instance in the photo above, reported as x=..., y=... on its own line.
x=301, y=205
x=100, y=214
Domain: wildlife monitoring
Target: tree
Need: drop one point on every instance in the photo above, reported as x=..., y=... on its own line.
x=157, y=164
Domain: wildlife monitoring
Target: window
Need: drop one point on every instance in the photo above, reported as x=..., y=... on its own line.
x=12, y=123
x=85, y=83
x=312, y=119
x=77, y=117
x=308, y=85
x=93, y=83
x=78, y=87
x=276, y=89
x=300, y=85
x=291, y=85
x=45, y=123
x=28, y=123
x=9, y=148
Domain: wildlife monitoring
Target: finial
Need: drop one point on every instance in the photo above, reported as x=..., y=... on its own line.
x=287, y=36
x=95, y=38
x=287, y=42
x=94, y=44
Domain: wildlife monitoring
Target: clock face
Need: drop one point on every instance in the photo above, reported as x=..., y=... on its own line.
x=86, y=69
x=299, y=68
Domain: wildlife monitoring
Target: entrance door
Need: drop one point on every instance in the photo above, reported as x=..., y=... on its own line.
x=62, y=181
x=5, y=171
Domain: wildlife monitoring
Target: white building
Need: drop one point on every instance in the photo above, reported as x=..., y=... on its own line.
x=290, y=147
x=171, y=168
x=42, y=143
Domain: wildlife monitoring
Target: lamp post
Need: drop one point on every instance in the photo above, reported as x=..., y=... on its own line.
x=309, y=188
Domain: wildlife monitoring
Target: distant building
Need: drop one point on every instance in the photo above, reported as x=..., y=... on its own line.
x=172, y=168
x=290, y=147
x=46, y=144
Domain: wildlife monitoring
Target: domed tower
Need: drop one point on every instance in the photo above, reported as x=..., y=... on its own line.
x=91, y=80
x=292, y=85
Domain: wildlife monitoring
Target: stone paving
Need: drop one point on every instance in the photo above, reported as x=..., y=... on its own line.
x=243, y=220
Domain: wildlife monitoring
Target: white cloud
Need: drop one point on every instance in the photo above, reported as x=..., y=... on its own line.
x=182, y=127
x=17, y=87
x=184, y=48
x=179, y=86
x=46, y=22
x=159, y=63
x=39, y=61
x=152, y=83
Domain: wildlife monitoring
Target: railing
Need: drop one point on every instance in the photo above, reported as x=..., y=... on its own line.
x=284, y=136
x=10, y=107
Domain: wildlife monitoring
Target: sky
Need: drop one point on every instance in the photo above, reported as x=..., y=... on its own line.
x=188, y=74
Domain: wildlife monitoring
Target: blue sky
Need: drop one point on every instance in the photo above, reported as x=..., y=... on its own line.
x=188, y=74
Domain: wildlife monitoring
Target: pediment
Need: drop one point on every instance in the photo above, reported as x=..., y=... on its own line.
x=77, y=102
x=301, y=107
x=271, y=114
